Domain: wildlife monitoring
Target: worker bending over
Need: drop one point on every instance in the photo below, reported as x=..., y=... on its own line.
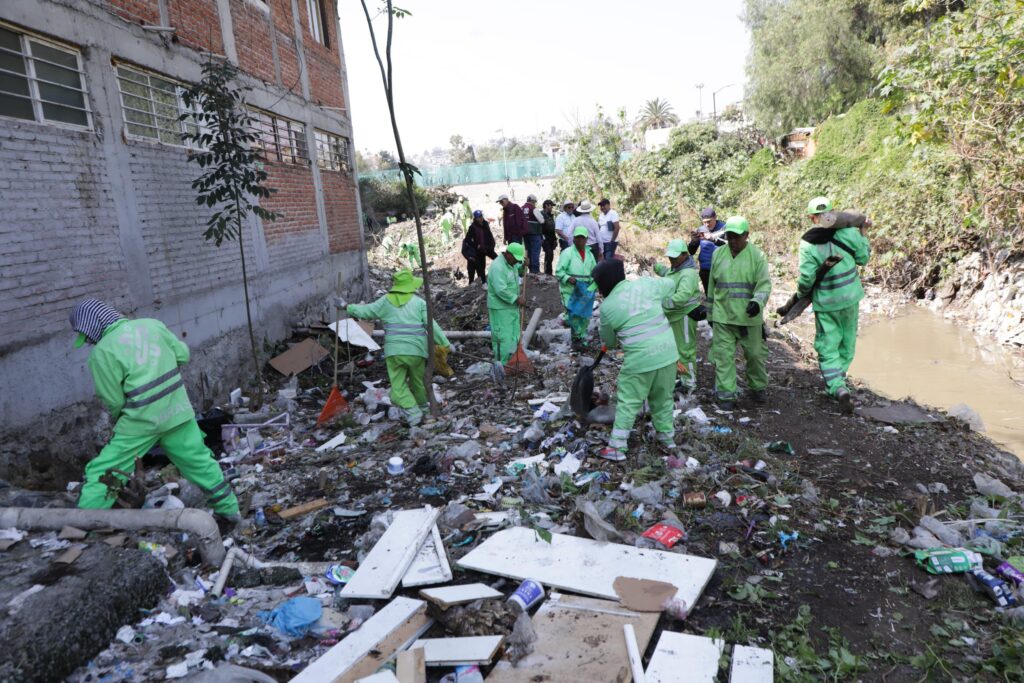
x=683, y=310
x=504, y=301
x=738, y=289
x=134, y=365
x=836, y=299
x=405, y=342
x=632, y=317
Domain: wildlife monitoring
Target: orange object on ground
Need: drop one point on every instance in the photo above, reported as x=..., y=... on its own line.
x=519, y=362
x=336, y=405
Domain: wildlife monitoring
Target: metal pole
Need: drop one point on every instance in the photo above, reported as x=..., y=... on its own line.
x=700, y=101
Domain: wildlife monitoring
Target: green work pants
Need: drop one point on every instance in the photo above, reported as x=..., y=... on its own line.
x=185, y=448
x=504, y=332
x=407, y=390
x=723, y=354
x=655, y=387
x=835, y=340
x=685, y=332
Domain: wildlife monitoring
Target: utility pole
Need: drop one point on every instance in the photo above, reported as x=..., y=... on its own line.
x=714, y=104
x=700, y=100
x=504, y=156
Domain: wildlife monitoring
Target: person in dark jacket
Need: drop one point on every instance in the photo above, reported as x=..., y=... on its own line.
x=705, y=240
x=513, y=221
x=550, y=235
x=477, y=245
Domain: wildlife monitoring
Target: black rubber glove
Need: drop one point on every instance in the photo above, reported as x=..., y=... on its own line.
x=784, y=309
x=699, y=313
x=753, y=308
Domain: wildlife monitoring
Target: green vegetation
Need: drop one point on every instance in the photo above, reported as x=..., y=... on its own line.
x=657, y=113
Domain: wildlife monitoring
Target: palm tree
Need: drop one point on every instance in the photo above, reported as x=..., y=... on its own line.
x=657, y=113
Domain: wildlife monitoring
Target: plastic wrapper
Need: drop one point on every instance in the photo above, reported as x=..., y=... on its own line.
x=947, y=535
x=520, y=642
x=594, y=523
x=991, y=486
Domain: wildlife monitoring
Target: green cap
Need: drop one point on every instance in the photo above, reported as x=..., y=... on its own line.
x=580, y=231
x=517, y=251
x=819, y=205
x=675, y=248
x=80, y=340
x=405, y=282
x=738, y=225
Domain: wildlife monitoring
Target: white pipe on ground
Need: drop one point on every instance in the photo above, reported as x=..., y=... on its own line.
x=486, y=334
x=229, y=561
x=531, y=327
x=197, y=522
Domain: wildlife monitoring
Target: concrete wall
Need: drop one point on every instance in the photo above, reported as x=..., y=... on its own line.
x=100, y=213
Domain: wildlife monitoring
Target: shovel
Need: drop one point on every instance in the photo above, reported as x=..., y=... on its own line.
x=336, y=403
x=519, y=362
x=581, y=396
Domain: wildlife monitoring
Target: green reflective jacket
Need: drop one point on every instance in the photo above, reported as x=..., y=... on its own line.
x=405, y=326
x=686, y=296
x=631, y=316
x=571, y=265
x=135, y=368
x=735, y=282
x=502, y=285
x=841, y=288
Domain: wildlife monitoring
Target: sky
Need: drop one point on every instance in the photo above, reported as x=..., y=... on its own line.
x=473, y=67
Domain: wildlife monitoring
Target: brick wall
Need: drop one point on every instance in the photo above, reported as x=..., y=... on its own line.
x=59, y=236
x=136, y=11
x=322, y=60
x=294, y=238
x=342, y=217
x=252, y=40
x=197, y=23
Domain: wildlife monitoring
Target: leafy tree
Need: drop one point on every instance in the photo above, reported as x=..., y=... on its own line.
x=232, y=180
x=461, y=152
x=513, y=149
x=594, y=166
x=657, y=113
x=386, y=161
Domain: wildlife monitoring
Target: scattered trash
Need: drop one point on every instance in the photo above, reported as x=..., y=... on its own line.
x=926, y=589
x=293, y=617
x=395, y=465
x=528, y=594
x=991, y=486
x=665, y=534
x=995, y=588
x=963, y=412
x=947, y=561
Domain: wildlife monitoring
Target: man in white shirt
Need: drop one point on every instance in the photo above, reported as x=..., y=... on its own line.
x=608, y=222
x=595, y=241
x=563, y=223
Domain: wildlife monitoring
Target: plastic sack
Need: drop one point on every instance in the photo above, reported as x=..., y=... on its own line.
x=991, y=486
x=581, y=301
x=594, y=523
x=293, y=617
x=520, y=643
x=945, y=534
x=532, y=489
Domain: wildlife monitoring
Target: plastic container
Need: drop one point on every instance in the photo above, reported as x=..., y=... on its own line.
x=395, y=465
x=528, y=594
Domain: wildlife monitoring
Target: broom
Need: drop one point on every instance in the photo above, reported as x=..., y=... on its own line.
x=519, y=361
x=336, y=403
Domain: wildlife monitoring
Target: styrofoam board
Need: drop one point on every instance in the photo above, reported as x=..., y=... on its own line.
x=336, y=662
x=333, y=443
x=378, y=575
x=459, y=651
x=380, y=677
x=430, y=564
x=584, y=566
x=751, y=665
x=447, y=596
x=684, y=658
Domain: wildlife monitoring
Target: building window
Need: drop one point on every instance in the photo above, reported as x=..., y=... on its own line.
x=41, y=81
x=152, y=106
x=316, y=12
x=332, y=152
x=278, y=138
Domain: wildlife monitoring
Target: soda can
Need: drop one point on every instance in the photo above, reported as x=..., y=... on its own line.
x=695, y=499
x=528, y=594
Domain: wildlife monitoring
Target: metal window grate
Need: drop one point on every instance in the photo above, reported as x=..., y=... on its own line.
x=152, y=105
x=41, y=81
x=332, y=152
x=278, y=138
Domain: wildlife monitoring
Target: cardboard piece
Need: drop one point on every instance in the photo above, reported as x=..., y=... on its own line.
x=116, y=541
x=897, y=413
x=449, y=596
x=579, y=640
x=643, y=595
x=459, y=651
x=387, y=562
x=430, y=564
x=298, y=510
x=356, y=333
x=585, y=566
x=300, y=357
x=71, y=554
x=684, y=658
x=412, y=666
x=751, y=665
x=70, y=533
x=363, y=651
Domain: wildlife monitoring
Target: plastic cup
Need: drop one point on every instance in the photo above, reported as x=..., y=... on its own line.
x=395, y=465
x=528, y=594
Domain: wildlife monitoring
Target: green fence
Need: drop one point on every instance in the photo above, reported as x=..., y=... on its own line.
x=469, y=174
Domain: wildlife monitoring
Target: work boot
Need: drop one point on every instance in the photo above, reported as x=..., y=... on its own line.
x=759, y=396
x=227, y=522
x=613, y=454
x=725, y=404
x=845, y=401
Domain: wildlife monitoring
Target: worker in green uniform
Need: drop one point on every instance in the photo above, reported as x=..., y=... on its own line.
x=738, y=289
x=632, y=316
x=467, y=213
x=405, y=342
x=573, y=273
x=683, y=310
x=134, y=365
x=447, y=221
x=836, y=299
x=504, y=301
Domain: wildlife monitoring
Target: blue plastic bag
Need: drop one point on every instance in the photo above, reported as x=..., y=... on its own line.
x=581, y=301
x=293, y=617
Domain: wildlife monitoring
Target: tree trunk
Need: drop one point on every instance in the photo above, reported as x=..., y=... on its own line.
x=248, y=312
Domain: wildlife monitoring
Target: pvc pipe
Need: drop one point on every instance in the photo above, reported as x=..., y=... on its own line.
x=197, y=522
x=229, y=561
x=531, y=327
x=635, y=663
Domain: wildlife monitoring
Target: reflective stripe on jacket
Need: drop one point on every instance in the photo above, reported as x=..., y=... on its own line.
x=735, y=282
x=631, y=316
x=571, y=265
x=502, y=285
x=686, y=296
x=842, y=287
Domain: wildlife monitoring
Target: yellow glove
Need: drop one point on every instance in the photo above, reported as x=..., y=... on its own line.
x=441, y=361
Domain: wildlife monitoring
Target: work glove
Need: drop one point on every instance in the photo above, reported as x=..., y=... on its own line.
x=699, y=313
x=753, y=308
x=784, y=309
